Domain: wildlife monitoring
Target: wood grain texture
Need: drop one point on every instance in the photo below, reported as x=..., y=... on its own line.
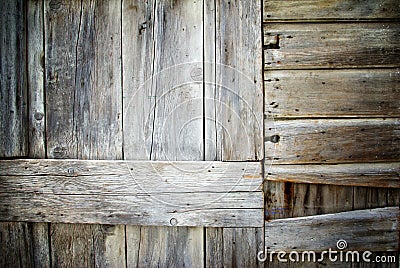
x=336, y=10
x=119, y=192
x=16, y=245
x=158, y=250
x=332, y=93
x=83, y=111
x=233, y=112
x=373, y=230
x=36, y=60
x=331, y=45
x=226, y=247
x=162, y=45
x=385, y=175
x=37, y=135
x=84, y=105
x=24, y=244
x=288, y=199
x=13, y=80
x=333, y=141
x=233, y=96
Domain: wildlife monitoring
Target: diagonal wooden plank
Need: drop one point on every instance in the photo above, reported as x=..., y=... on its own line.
x=373, y=230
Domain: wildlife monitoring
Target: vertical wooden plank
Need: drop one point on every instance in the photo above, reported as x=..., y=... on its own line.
x=40, y=244
x=37, y=138
x=241, y=246
x=237, y=98
x=15, y=245
x=36, y=79
x=13, y=84
x=163, y=112
x=17, y=241
x=84, y=113
x=214, y=247
x=233, y=111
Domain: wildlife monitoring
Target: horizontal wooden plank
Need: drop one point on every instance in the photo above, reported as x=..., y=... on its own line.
x=333, y=93
x=330, y=10
x=332, y=141
x=385, y=175
x=372, y=230
x=331, y=45
x=220, y=194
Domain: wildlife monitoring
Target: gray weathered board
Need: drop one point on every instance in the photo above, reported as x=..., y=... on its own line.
x=132, y=192
x=333, y=140
x=13, y=80
x=335, y=61
x=373, y=230
x=335, y=10
x=332, y=93
x=386, y=175
x=331, y=45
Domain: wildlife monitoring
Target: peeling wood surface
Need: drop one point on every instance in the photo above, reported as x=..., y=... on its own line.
x=331, y=45
x=373, y=230
x=336, y=10
x=332, y=93
x=333, y=141
x=385, y=175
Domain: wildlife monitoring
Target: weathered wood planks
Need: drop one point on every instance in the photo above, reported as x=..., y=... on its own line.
x=36, y=61
x=331, y=45
x=123, y=192
x=373, y=230
x=83, y=80
x=83, y=111
x=162, y=51
x=332, y=93
x=333, y=141
x=233, y=81
x=385, y=175
x=13, y=80
x=337, y=10
x=353, y=41
x=233, y=111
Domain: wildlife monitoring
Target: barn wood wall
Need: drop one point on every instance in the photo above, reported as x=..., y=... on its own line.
x=331, y=81
x=76, y=65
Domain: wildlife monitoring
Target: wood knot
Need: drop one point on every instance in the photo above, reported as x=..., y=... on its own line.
x=59, y=152
x=55, y=5
x=196, y=74
x=38, y=116
x=275, y=138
